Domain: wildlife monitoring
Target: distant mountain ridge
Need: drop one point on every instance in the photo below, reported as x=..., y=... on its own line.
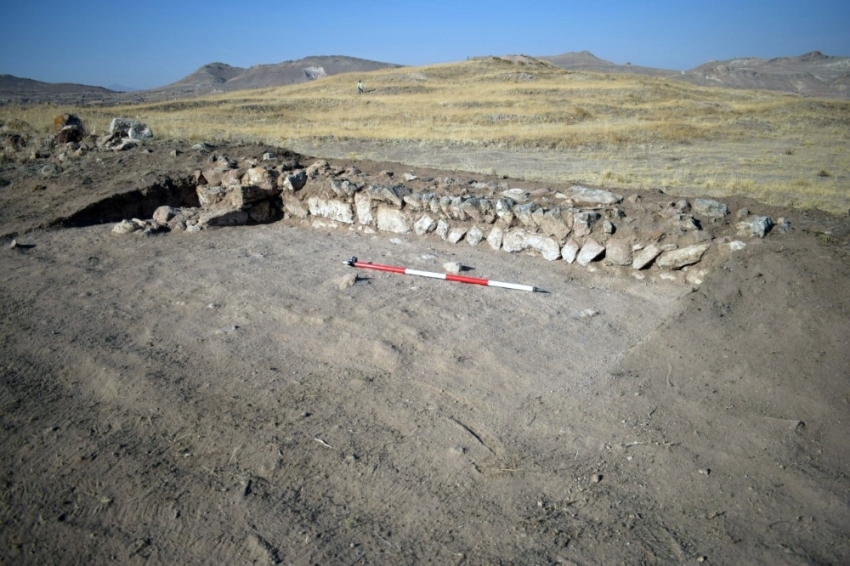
x=16, y=89
x=810, y=74
x=223, y=77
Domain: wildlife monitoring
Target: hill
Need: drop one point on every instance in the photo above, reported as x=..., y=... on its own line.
x=16, y=90
x=811, y=74
x=587, y=61
x=217, y=77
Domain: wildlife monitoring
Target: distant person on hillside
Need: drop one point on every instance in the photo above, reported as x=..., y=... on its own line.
x=359, y=87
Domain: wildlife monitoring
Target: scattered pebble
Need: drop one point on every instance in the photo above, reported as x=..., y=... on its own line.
x=14, y=244
x=705, y=471
x=346, y=281
x=452, y=267
x=596, y=478
x=588, y=313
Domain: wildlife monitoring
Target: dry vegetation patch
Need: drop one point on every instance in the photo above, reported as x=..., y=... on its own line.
x=630, y=131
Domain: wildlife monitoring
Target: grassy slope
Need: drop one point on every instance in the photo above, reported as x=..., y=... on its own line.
x=644, y=132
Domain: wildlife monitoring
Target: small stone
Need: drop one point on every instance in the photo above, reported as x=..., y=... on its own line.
x=705, y=471
x=268, y=156
x=125, y=227
x=410, y=177
x=608, y=227
x=346, y=281
x=14, y=244
x=588, y=313
x=452, y=267
x=596, y=478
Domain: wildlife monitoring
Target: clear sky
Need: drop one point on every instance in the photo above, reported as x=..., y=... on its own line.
x=151, y=43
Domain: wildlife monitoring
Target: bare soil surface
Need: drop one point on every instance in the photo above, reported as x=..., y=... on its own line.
x=226, y=397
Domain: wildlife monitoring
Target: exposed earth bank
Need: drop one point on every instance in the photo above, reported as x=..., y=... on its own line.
x=230, y=396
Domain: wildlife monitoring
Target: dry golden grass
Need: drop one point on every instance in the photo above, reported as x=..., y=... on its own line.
x=640, y=132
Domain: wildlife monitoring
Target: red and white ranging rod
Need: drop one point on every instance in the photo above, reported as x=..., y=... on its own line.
x=447, y=276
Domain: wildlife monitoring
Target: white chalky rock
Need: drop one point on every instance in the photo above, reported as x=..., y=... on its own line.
x=584, y=195
x=452, y=267
x=443, y=229
x=589, y=252
x=519, y=240
x=335, y=210
x=456, y=234
x=125, y=227
x=513, y=240
x=570, y=251
x=676, y=259
x=474, y=236
x=645, y=257
x=618, y=251
x=519, y=195
x=391, y=219
x=494, y=238
x=363, y=204
x=424, y=225
x=294, y=206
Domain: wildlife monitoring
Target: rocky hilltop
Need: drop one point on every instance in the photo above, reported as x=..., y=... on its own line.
x=811, y=74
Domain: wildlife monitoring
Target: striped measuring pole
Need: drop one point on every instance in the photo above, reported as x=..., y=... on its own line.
x=447, y=276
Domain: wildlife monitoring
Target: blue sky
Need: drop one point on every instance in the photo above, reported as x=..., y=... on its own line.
x=151, y=43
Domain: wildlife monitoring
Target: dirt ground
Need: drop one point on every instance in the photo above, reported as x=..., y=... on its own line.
x=224, y=397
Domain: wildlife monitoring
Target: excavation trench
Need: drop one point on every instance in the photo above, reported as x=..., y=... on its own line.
x=137, y=203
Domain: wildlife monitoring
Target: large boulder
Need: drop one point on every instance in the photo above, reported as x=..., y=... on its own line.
x=129, y=128
x=261, y=177
x=618, y=251
x=494, y=238
x=587, y=196
x=646, y=256
x=212, y=197
x=518, y=240
x=677, y=259
x=710, y=208
x=390, y=219
x=590, y=251
x=294, y=181
x=570, y=251
x=335, y=210
x=424, y=225
x=755, y=226
x=552, y=223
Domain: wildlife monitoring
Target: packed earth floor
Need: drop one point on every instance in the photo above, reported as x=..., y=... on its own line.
x=235, y=395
